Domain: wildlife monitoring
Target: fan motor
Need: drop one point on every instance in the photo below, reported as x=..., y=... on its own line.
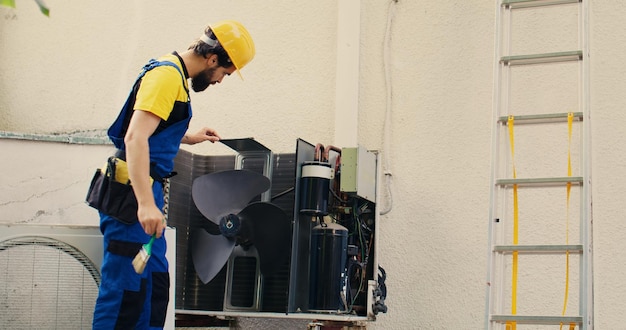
x=230, y=225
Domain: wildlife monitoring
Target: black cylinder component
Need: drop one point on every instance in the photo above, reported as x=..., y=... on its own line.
x=315, y=185
x=329, y=243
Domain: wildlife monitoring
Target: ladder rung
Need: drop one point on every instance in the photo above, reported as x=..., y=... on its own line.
x=540, y=181
x=535, y=3
x=546, y=249
x=529, y=319
x=541, y=118
x=573, y=55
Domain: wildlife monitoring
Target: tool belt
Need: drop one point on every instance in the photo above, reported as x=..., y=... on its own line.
x=121, y=154
x=110, y=191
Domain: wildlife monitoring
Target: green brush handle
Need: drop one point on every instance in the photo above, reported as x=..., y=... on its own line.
x=148, y=246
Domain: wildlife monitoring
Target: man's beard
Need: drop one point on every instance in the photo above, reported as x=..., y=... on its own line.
x=203, y=80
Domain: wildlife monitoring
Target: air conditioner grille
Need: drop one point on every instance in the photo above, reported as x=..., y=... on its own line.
x=45, y=284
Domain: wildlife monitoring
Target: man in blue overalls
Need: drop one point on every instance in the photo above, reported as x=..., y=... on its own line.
x=148, y=133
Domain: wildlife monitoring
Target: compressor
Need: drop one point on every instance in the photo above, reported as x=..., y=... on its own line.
x=329, y=243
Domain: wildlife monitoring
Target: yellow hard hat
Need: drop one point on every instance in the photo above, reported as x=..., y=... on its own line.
x=236, y=41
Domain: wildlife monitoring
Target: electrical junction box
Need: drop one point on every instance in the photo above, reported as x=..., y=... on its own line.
x=358, y=173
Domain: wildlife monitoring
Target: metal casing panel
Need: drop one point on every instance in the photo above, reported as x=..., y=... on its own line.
x=302, y=226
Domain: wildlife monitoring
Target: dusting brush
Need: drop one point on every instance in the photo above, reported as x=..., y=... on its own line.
x=141, y=259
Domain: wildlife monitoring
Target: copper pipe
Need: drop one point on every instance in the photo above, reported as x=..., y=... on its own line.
x=319, y=151
x=327, y=151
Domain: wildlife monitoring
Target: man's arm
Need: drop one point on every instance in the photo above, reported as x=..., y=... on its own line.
x=140, y=128
x=205, y=134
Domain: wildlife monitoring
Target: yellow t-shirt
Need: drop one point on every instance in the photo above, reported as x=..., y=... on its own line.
x=161, y=88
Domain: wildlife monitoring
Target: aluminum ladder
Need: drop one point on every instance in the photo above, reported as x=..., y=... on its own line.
x=540, y=217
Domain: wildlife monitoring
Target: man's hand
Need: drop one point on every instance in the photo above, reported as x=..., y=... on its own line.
x=152, y=220
x=205, y=134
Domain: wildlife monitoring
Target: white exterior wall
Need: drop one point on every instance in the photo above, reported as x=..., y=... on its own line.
x=72, y=71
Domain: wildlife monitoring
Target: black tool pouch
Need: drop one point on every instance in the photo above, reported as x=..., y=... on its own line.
x=111, y=197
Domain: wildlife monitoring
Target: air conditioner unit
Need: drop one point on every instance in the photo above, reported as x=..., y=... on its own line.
x=49, y=275
x=318, y=263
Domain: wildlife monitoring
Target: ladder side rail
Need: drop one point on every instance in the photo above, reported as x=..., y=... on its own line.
x=503, y=161
x=494, y=289
x=586, y=294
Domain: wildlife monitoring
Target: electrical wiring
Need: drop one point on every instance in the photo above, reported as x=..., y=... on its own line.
x=387, y=123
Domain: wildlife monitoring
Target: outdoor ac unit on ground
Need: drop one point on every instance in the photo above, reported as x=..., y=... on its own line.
x=49, y=276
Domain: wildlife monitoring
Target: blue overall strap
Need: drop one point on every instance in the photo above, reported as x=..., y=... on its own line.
x=118, y=129
x=155, y=63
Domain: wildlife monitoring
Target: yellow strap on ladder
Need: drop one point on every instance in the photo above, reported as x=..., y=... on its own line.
x=511, y=325
x=570, y=119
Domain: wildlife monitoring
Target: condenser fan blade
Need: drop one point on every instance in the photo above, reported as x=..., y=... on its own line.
x=210, y=253
x=269, y=228
x=226, y=192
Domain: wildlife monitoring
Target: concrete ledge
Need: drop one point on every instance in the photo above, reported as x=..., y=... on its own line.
x=98, y=137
